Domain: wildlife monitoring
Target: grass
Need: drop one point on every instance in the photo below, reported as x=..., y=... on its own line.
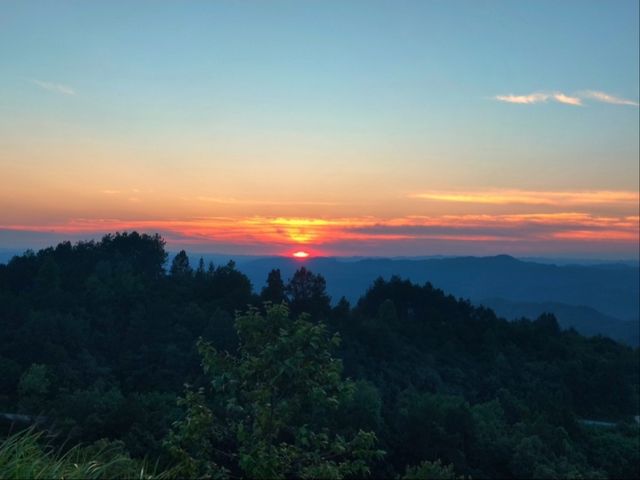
x=24, y=455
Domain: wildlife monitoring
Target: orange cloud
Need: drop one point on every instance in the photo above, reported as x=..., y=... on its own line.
x=534, y=197
x=589, y=235
x=277, y=232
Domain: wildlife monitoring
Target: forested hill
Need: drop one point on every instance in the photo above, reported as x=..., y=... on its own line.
x=612, y=291
x=593, y=299
x=98, y=339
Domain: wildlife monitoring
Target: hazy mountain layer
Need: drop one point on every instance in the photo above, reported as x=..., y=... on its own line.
x=593, y=299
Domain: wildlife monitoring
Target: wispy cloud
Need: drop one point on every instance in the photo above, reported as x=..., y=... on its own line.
x=54, y=87
x=259, y=202
x=534, y=197
x=539, y=97
x=523, y=99
x=560, y=97
x=608, y=98
x=566, y=99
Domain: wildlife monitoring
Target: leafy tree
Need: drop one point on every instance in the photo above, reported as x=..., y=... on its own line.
x=431, y=471
x=33, y=388
x=274, y=291
x=265, y=412
x=201, y=271
x=616, y=452
x=231, y=286
x=34, y=381
x=142, y=253
x=363, y=409
x=48, y=276
x=433, y=427
x=307, y=292
x=180, y=265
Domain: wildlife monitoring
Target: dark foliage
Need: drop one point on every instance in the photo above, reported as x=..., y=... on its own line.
x=97, y=340
x=274, y=291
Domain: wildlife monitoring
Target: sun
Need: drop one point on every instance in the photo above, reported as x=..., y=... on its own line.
x=300, y=254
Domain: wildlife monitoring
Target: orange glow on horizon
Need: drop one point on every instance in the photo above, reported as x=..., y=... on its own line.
x=501, y=219
x=276, y=234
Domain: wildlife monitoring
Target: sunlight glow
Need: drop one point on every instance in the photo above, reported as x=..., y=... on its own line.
x=273, y=234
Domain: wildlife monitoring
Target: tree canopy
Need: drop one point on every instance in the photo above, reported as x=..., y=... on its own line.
x=99, y=338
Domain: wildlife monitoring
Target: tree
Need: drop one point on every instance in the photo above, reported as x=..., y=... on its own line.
x=265, y=412
x=307, y=293
x=48, y=276
x=180, y=265
x=431, y=471
x=201, y=272
x=33, y=388
x=274, y=291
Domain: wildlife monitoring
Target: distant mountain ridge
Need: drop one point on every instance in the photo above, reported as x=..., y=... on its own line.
x=584, y=320
x=597, y=298
x=606, y=293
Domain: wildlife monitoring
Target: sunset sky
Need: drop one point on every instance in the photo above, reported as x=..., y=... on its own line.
x=337, y=128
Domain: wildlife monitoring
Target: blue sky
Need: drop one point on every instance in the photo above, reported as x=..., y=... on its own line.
x=360, y=104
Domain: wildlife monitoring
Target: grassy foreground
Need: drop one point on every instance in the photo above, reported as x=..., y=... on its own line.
x=23, y=456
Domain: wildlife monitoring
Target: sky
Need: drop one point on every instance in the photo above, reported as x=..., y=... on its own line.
x=334, y=127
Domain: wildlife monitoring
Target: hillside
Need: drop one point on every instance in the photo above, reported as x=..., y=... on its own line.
x=99, y=340
x=585, y=320
x=594, y=299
